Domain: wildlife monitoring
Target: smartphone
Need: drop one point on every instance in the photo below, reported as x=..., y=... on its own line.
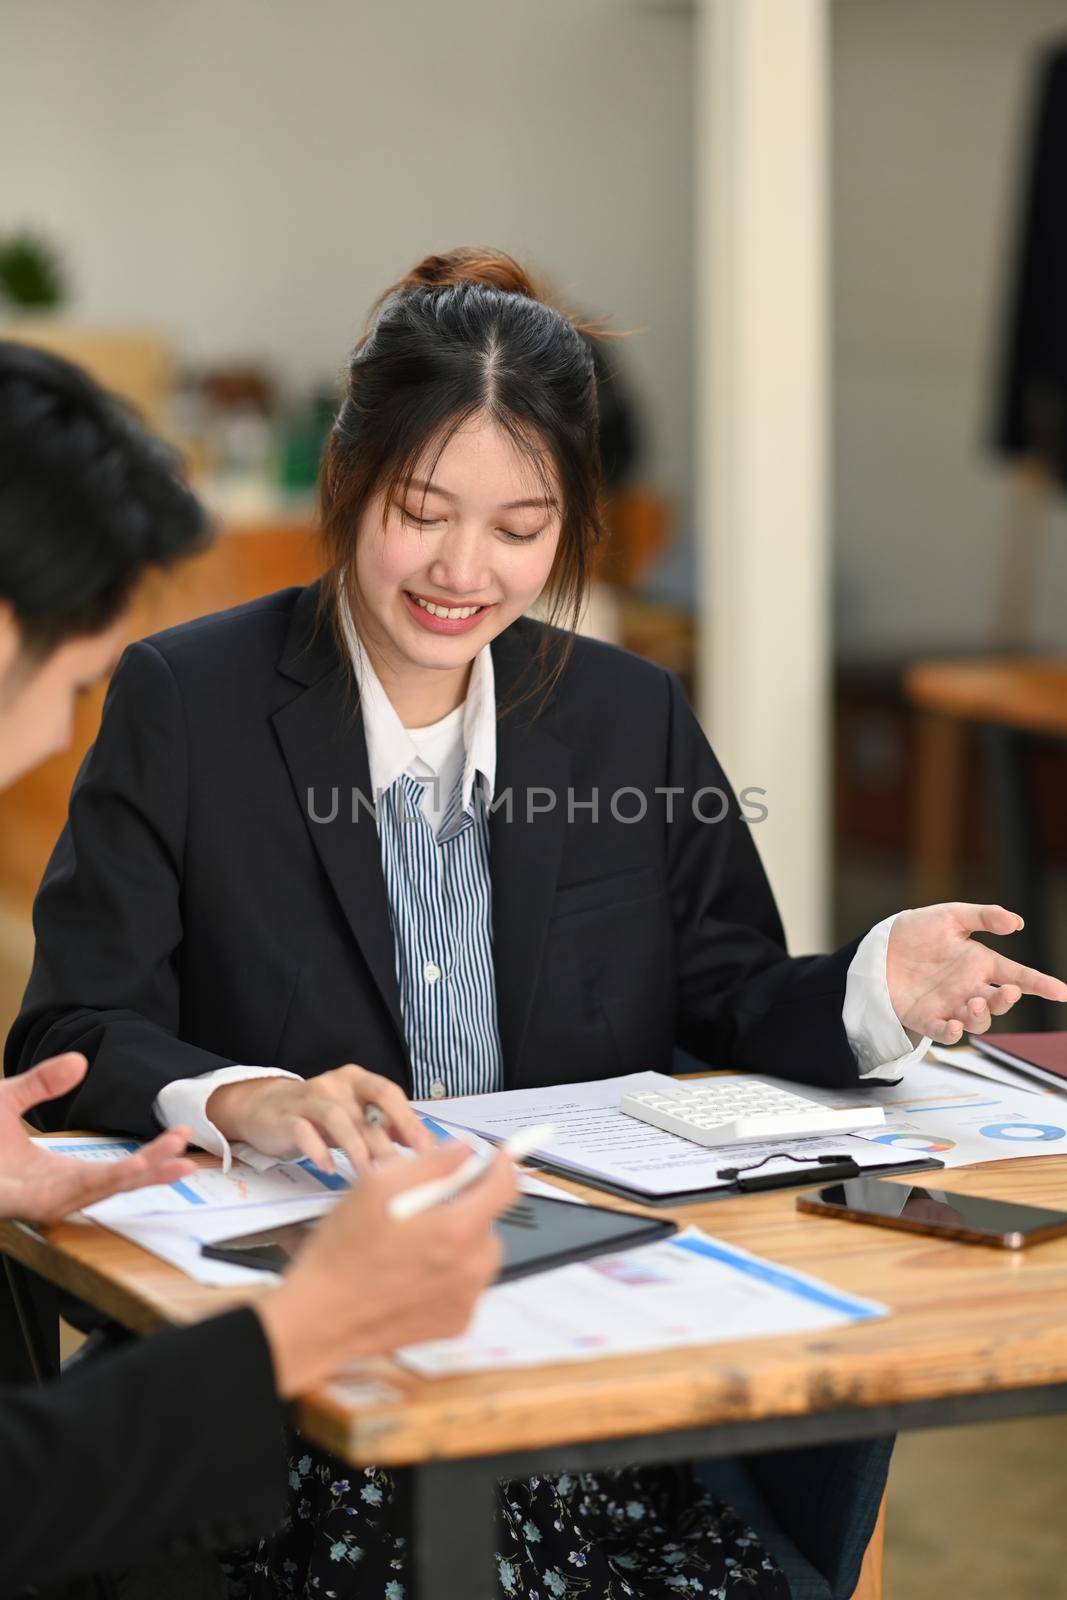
x=971, y=1218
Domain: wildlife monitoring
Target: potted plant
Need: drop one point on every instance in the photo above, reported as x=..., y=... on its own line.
x=32, y=275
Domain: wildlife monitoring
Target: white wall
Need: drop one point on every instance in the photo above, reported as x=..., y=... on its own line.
x=251, y=173
x=930, y=103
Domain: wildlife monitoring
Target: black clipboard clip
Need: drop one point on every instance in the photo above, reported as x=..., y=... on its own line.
x=827, y=1169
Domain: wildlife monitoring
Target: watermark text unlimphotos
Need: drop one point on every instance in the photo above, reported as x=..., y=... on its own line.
x=708, y=805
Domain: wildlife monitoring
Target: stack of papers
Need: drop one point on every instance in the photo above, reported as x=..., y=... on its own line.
x=172, y=1221
x=1040, y=1056
x=1001, y=1068
x=688, y=1290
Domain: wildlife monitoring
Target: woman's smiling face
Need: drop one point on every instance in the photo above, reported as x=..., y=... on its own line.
x=457, y=556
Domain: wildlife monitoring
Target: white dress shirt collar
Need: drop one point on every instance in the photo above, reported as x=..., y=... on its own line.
x=391, y=750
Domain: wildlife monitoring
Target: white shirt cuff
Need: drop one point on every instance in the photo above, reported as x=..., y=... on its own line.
x=185, y=1101
x=882, y=1047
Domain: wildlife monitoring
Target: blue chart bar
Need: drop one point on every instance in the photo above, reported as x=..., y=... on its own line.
x=777, y=1277
x=947, y=1105
x=329, y=1180
x=102, y=1151
x=436, y=1128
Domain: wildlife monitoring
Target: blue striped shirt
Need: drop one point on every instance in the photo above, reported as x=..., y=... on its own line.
x=440, y=907
x=435, y=860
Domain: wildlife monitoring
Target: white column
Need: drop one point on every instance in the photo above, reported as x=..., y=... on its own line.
x=761, y=435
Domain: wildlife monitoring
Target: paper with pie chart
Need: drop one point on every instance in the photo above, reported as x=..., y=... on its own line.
x=960, y=1119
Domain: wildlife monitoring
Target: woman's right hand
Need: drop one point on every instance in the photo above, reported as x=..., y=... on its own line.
x=292, y=1116
x=365, y=1284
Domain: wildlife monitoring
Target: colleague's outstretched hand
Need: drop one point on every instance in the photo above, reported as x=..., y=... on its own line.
x=943, y=983
x=37, y=1185
x=287, y=1116
x=365, y=1284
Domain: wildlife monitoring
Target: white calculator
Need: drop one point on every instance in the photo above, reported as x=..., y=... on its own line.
x=714, y=1111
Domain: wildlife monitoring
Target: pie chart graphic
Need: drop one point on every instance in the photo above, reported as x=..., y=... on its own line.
x=923, y=1143
x=1023, y=1132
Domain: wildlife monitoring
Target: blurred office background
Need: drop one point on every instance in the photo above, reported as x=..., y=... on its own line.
x=808, y=214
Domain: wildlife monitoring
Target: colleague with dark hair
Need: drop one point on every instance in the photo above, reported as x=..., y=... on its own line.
x=391, y=815
x=99, y=1470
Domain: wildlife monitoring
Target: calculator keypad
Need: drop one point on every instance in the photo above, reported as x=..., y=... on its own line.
x=713, y=1113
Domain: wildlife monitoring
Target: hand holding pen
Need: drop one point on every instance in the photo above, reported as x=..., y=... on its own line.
x=287, y=1116
x=365, y=1283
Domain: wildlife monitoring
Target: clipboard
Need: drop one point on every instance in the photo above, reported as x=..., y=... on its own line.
x=801, y=1178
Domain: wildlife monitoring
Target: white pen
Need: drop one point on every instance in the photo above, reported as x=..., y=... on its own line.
x=411, y=1202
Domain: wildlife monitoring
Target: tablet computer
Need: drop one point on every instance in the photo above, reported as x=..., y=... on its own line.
x=537, y=1233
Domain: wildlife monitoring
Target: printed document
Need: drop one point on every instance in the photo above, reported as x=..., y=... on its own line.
x=688, y=1290
x=959, y=1118
x=205, y=1189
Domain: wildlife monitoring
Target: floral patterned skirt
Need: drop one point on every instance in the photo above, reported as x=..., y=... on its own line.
x=645, y=1533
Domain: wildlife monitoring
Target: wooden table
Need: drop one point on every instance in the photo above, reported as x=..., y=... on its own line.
x=975, y=1334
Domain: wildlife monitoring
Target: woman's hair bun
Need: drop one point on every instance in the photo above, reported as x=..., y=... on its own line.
x=471, y=264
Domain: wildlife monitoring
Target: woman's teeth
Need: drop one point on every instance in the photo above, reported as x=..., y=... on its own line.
x=451, y=612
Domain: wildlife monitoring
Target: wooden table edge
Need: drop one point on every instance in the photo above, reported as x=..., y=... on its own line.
x=392, y=1417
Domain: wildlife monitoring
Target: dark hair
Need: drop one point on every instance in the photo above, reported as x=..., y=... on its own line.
x=88, y=500
x=466, y=334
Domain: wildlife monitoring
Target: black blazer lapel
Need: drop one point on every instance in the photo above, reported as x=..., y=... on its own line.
x=321, y=738
x=526, y=845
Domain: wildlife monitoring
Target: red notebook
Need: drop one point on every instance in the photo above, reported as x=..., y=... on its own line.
x=1038, y=1055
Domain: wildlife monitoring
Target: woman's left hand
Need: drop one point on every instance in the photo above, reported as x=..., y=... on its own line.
x=942, y=982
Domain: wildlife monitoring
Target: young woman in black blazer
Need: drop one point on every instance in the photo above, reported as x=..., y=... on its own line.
x=388, y=819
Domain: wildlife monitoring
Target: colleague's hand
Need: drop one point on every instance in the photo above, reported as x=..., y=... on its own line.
x=942, y=982
x=288, y=1116
x=365, y=1284
x=37, y=1185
